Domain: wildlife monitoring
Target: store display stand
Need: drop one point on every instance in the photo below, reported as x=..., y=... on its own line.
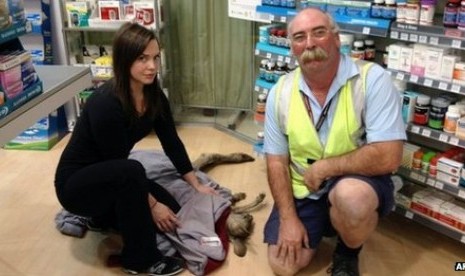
x=60, y=84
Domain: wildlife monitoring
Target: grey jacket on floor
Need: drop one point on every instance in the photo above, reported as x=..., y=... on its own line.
x=195, y=239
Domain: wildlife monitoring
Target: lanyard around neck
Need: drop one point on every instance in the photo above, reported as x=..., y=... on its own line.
x=324, y=112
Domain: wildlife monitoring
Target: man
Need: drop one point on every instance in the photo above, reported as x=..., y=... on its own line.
x=333, y=135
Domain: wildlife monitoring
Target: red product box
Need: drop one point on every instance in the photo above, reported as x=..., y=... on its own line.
x=109, y=13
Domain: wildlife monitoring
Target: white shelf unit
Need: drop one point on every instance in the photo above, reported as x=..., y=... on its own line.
x=432, y=35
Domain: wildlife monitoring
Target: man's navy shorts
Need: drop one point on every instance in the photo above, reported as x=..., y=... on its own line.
x=315, y=213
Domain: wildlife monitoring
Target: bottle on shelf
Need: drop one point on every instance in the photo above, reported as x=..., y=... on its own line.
x=451, y=11
x=358, y=50
x=422, y=107
x=427, y=10
x=370, y=50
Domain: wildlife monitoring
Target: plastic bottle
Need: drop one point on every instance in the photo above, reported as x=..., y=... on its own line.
x=370, y=50
x=433, y=166
x=427, y=9
x=281, y=38
x=451, y=11
x=439, y=106
x=262, y=69
x=269, y=74
x=347, y=41
x=389, y=9
x=280, y=70
x=461, y=16
x=401, y=10
x=451, y=119
x=412, y=12
x=460, y=131
x=358, y=50
x=417, y=157
x=261, y=103
x=259, y=116
x=422, y=107
x=273, y=36
x=425, y=161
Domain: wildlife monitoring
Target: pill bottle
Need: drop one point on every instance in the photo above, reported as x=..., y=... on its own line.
x=461, y=16
x=451, y=11
x=417, y=157
x=259, y=115
x=358, y=50
x=427, y=9
x=262, y=69
x=452, y=116
x=439, y=106
x=346, y=43
x=425, y=161
x=280, y=70
x=433, y=165
x=370, y=50
x=260, y=138
x=422, y=107
x=269, y=73
x=401, y=10
x=460, y=131
x=281, y=37
x=389, y=9
x=273, y=36
x=412, y=12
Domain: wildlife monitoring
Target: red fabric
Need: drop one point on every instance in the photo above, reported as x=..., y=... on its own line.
x=222, y=232
x=220, y=229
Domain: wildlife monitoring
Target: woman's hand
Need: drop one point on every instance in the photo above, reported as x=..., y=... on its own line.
x=206, y=190
x=192, y=179
x=164, y=217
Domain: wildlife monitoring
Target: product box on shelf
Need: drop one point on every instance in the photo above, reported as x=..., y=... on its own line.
x=109, y=10
x=77, y=13
x=453, y=214
x=43, y=135
x=404, y=196
x=16, y=11
x=428, y=202
x=18, y=80
x=144, y=14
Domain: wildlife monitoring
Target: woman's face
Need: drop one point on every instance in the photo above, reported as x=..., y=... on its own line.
x=145, y=67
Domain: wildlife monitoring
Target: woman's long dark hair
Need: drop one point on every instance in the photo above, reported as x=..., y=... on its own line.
x=128, y=44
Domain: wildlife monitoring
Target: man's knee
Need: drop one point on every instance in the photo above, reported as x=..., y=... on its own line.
x=284, y=268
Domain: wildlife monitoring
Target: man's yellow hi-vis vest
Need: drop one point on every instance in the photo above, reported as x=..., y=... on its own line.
x=345, y=132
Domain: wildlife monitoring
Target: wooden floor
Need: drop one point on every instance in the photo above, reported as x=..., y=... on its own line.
x=30, y=244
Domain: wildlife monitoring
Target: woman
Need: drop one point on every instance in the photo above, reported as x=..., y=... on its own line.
x=95, y=178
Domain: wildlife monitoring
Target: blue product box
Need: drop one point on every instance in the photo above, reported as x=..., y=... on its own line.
x=43, y=135
x=17, y=13
x=36, y=22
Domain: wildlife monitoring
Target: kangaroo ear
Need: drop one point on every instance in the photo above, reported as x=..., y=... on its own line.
x=240, y=247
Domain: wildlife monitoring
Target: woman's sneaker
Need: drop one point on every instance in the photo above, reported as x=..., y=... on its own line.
x=165, y=267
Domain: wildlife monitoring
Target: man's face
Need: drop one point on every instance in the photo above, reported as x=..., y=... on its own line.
x=312, y=40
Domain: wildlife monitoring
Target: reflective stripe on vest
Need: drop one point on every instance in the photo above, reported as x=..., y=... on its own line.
x=346, y=130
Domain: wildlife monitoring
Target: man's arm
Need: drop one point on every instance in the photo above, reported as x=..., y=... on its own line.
x=372, y=159
x=280, y=186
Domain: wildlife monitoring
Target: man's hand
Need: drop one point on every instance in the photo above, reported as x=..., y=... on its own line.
x=292, y=237
x=315, y=175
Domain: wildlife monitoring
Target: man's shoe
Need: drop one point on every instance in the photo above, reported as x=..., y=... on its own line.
x=344, y=266
x=165, y=267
